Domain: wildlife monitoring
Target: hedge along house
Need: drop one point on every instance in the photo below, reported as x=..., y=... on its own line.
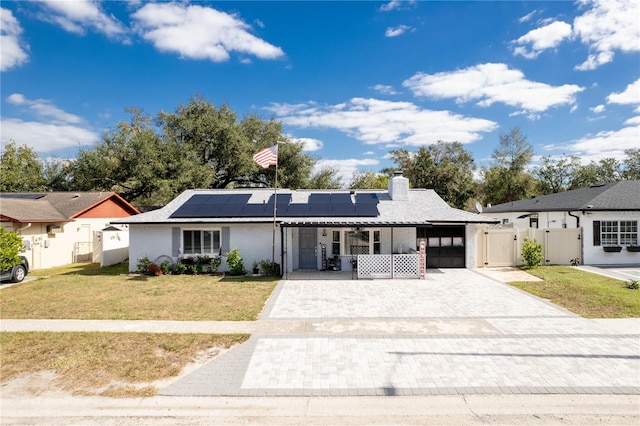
x=60, y=228
x=313, y=230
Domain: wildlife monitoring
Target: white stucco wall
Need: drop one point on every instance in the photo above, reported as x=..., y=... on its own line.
x=253, y=241
x=48, y=250
x=114, y=247
x=595, y=255
x=471, y=245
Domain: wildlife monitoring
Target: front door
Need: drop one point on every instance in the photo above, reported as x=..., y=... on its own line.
x=308, y=246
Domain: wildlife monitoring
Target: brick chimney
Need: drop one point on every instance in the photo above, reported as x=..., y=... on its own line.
x=399, y=187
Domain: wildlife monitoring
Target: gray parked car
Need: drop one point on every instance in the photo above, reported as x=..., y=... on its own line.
x=16, y=273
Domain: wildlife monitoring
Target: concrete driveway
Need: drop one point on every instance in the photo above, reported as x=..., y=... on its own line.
x=457, y=332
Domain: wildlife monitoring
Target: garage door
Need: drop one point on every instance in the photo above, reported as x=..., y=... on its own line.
x=445, y=245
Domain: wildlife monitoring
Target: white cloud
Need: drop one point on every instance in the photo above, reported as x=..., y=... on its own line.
x=374, y=121
x=45, y=137
x=78, y=16
x=491, y=83
x=604, y=143
x=384, y=89
x=396, y=31
x=597, y=109
x=198, y=32
x=14, y=51
x=543, y=38
x=528, y=16
x=630, y=96
x=606, y=27
x=396, y=4
x=633, y=121
x=55, y=129
x=308, y=144
x=346, y=168
x=44, y=109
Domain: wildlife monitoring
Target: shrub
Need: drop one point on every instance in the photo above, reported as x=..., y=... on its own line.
x=236, y=267
x=178, y=268
x=143, y=265
x=10, y=248
x=633, y=285
x=166, y=267
x=532, y=252
x=154, y=269
x=269, y=268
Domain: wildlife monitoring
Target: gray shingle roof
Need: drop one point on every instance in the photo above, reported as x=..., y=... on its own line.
x=49, y=206
x=424, y=206
x=623, y=195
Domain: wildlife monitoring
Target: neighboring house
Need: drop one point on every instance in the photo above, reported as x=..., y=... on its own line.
x=608, y=215
x=312, y=229
x=60, y=228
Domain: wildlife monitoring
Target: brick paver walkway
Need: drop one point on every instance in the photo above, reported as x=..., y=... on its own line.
x=457, y=332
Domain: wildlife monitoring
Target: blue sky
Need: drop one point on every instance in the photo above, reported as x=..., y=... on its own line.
x=351, y=80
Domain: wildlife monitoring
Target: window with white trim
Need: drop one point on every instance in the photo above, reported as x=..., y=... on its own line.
x=614, y=232
x=362, y=242
x=201, y=241
x=335, y=243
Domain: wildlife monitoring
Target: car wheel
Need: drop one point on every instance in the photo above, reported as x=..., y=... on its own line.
x=19, y=273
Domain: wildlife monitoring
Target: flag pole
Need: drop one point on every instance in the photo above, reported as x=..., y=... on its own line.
x=275, y=204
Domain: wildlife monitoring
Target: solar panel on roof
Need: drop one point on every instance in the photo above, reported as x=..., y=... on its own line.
x=340, y=198
x=216, y=199
x=363, y=197
x=282, y=199
x=319, y=198
x=256, y=210
x=207, y=210
x=320, y=210
x=343, y=209
x=22, y=196
x=296, y=210
x=367, y=209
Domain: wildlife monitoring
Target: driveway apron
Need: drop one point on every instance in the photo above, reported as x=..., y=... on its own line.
x=455, y=332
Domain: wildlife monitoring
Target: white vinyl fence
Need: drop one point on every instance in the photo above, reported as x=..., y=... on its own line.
x=503, y=246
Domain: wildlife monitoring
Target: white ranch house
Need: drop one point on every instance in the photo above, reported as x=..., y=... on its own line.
x=313, y=230
x=606, y=216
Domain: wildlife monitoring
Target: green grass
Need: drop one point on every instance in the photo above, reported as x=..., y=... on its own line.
x=90, y=292
x=589, y=295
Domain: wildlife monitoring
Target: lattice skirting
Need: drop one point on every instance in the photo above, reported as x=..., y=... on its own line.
x=389, y=266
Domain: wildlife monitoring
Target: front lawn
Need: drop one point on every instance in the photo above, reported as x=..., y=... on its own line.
x=91, y=292
x=589, y=295
x=109, y=364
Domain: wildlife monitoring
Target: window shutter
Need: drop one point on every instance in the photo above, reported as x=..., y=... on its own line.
x=225, y=245
x=596, y=232
x=175, y=242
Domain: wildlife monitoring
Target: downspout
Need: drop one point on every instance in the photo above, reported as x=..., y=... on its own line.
x=577, y=218
x=28, y=225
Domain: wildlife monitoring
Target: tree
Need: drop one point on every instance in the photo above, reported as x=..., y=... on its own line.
x=10, y=248
x=632, y=164
x=21, y=169
x=555, y=175
x=369, y=180
x=507, y=180
x=447, y=168
x=325, y=178
x=604, y=171
x=135, y=162
x=227, y=145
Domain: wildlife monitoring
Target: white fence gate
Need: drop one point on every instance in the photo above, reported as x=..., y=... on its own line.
x=503, y=246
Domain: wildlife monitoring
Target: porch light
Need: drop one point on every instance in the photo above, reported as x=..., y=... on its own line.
x=324, y=232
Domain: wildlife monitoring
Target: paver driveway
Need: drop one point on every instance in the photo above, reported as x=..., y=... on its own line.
x=457, y=332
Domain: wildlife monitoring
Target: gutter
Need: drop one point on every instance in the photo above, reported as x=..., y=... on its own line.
x=577, y=218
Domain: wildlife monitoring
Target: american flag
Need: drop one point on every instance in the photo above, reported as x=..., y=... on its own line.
x=267, y=157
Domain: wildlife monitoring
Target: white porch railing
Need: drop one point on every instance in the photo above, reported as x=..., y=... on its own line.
x=389, y=266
